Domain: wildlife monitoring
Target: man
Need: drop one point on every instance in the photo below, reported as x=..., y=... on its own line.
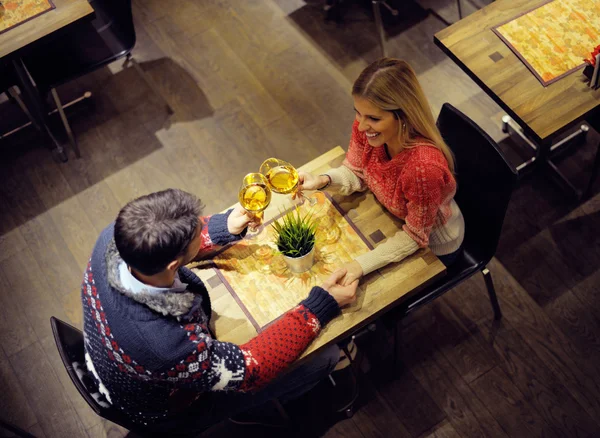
x=146, y=320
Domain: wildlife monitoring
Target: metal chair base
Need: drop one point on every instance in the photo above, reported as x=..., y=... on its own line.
x=541, y=155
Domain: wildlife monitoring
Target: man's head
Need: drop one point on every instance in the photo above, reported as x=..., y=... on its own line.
x=159, y=231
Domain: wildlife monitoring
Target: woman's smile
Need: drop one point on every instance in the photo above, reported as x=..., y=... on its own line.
x=380, y=126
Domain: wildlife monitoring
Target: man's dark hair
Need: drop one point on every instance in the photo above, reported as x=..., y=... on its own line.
x=153, y=230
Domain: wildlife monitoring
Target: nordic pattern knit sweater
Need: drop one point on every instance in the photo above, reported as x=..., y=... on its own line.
x=155, y=354
x=416, y=186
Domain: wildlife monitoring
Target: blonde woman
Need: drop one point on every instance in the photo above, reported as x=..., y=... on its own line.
x=397, y=152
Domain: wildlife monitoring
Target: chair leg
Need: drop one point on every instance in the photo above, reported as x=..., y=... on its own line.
x=487, y=276
x=596, y=167
x=149, y=81
x=17, y=98
x=281, y=410
x=458, y=4
x=65, y=121
x=397, y=341
x=379, y=25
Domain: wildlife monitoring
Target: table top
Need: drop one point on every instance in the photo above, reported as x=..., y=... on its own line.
x=65, y=13
x=543, y=112
x=378, y=291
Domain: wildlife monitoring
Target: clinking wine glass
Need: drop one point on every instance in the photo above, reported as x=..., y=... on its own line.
x=282, y=177
x=255, y=194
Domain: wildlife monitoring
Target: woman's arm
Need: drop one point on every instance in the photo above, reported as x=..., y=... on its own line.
x=422, y=185
x=346, y=179
x=396, y=248
x=349, y=177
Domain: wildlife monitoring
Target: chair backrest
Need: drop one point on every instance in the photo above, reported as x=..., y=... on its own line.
x=116, y=17
x=485, y=181
x=69, y=342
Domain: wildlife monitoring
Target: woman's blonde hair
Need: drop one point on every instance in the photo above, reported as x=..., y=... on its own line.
x=392, y=85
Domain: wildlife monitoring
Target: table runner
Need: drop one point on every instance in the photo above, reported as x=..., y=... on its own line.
x=257, y=277
x=553, y=39
x=16, y=12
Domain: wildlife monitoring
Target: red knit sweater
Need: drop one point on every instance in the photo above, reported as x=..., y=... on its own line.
x=416, y=185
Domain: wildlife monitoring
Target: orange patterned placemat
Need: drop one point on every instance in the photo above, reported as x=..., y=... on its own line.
x=258, y=278
x=15, y=12
x=553, y=39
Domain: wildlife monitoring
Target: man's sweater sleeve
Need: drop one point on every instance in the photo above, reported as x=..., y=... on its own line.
x=215, y=231
x=214, y=365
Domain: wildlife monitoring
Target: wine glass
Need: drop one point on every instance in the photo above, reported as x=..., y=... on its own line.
x=282, y=177
x=255, y=194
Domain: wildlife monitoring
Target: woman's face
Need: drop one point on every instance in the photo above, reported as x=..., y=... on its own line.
x=380, y=126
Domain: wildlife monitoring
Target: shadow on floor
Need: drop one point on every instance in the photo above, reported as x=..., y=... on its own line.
x=350, y=31
x=122, y=111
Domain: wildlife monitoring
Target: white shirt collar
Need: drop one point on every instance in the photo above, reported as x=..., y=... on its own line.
x=129, y=282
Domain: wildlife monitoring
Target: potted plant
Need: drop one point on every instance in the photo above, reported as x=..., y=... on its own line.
x=295, y=240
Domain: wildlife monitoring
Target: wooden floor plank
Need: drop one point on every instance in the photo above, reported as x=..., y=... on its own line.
x=459, y=339
x=419, y=412
x=86, y=415
x=550, y=344
x=509, y=407
x=466, y=414
x=377, y=418
x=14, y=406
x=16, y=332
x=541, y=388
x=45, y=393
x=443, y=430
x=36, y=302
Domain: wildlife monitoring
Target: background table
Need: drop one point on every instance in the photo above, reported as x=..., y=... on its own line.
x=378, y=291
x=543, y=112
x=18, y=39
x=65, y=13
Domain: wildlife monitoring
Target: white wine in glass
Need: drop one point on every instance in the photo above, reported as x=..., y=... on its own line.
x=255, y=194
x=281, y=176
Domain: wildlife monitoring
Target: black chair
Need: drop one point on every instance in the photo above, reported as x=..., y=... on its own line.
x=86, y=47
x=594, y=121
x=69, y=342
x=485, y=183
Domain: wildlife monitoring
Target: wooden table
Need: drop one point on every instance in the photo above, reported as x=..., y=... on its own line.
x=19, y=38
x=543, y=112
x=65, y=13
x=378, y=292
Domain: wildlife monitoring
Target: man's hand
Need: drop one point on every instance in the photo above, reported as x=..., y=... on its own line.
x=353, y=272
x=239, y=219
x=343, y=294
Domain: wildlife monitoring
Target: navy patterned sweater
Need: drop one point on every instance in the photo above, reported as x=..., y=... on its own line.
x=154, y=354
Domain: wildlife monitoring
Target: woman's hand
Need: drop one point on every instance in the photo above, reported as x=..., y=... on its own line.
x=240, y=218
x=353, y=272
x=308, y=181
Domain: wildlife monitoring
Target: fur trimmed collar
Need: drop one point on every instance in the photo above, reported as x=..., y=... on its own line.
x=177, y=304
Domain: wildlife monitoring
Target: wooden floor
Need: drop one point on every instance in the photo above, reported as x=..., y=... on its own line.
x=259, y=78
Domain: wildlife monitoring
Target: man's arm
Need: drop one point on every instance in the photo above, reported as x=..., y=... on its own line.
x=213, y=365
